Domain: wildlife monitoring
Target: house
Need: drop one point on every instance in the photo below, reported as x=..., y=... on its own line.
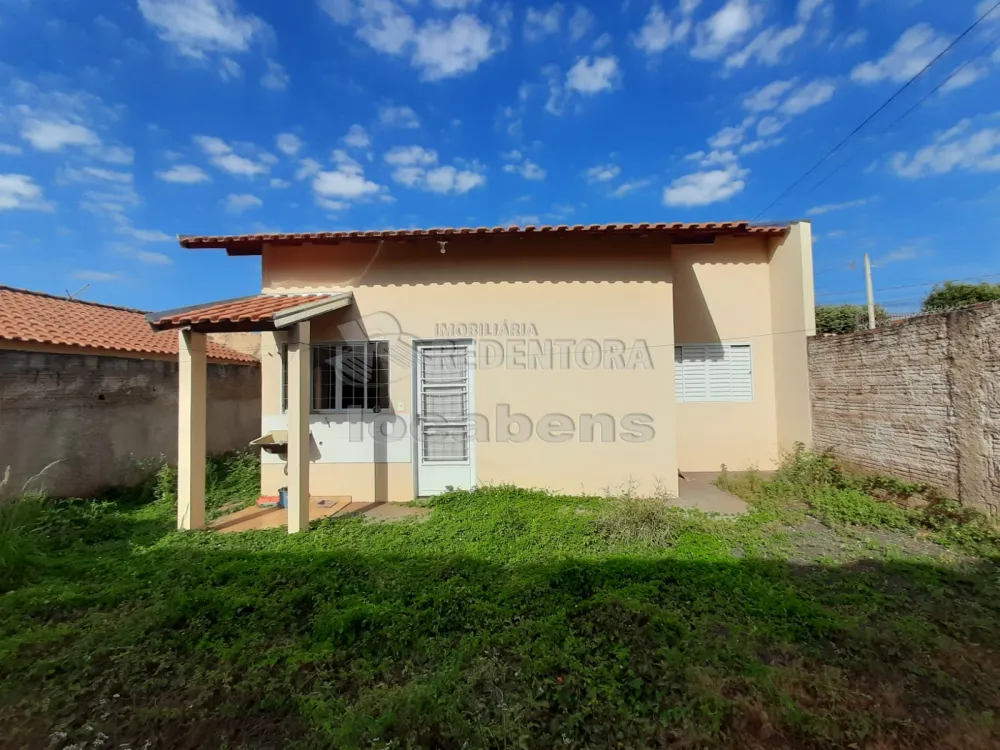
x=581, y=359
x=88, y=393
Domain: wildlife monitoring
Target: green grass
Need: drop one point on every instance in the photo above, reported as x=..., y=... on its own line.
x=507, y=619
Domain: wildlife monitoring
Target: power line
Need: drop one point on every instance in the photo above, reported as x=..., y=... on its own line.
x=895, y=122
x=874, y=114
x=910, y=286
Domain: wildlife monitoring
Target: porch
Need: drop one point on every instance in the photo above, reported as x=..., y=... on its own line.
x=290, y=313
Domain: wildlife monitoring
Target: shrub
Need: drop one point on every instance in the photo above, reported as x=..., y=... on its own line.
x=854, y=508
x=18, y=532
x=637, y=521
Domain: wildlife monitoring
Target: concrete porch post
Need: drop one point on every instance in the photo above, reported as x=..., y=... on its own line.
x=192, y=402
x=299, y=368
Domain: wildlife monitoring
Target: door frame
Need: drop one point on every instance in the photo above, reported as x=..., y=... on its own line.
x=415, y=396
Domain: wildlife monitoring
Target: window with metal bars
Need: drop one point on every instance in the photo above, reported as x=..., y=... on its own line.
x=349, y=375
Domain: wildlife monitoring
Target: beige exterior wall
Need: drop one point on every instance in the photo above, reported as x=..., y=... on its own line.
x=605, y=290
x=581, y=291
x=721, y=295
x=793, y=320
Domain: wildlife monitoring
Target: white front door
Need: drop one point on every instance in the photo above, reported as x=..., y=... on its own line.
x=444, y=416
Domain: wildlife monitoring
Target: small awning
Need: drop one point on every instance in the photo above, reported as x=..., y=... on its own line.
x=261, y=312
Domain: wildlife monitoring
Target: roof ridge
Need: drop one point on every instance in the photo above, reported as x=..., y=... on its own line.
x=32, y=292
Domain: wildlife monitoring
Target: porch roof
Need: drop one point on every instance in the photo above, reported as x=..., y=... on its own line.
x=260, y=312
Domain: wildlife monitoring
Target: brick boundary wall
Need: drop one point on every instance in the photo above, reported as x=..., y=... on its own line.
x=917, y=399
x=102, y=418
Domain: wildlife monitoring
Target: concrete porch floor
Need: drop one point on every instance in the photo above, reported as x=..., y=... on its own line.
x=696, y=491
x=255, y=519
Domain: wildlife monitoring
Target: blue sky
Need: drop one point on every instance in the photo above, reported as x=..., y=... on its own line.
x=121, y=129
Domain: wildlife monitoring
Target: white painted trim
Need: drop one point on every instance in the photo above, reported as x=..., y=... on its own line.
x=311, y=310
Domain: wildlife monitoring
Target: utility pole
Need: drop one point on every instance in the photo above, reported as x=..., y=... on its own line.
x=871, y=295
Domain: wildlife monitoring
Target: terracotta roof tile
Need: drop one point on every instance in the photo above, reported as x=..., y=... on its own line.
x=261, y=308
x=253, y=240
x=35, y=317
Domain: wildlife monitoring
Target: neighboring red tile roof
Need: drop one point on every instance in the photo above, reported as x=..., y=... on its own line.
x=251, y=242
x=260, y=308
x=35, y=317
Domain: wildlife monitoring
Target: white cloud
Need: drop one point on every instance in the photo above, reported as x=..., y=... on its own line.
x=658, y=32
x=453, y=49
x=727, y=137
x=901, y=255
x=222, y=155
x=437, y=48
x=454, y=4
x=713, y=158
x=955, y=149
x=275, y=77
x=90, y=275
x=19, y=191
x=704, y=188
x=115, y=154
x=307, y=168
x=527, y=169
x=752, y=147
x=346, y=183
x=10, y=150
x=854, y=39
x=288, y=143
x=602, y=172
x=238, y=203
x=767, y=97
x=986, y=5
x=151, y=258
x=828, y=207
x=769, y=45
x=909, y=55
x=787, y=100
x=54, y=135
x=200, y=27
x=770, y=125
x=357, y=137
x=593, y=75
x=229, y=69
x=726, y=27
x=96, y=174
x=399, y=117
x=143, y=256
x=410, y=155
x=185, y=174
x=452, y=180
x=341, y=11
x=626, y=188
x=602, y=42
x=414, y=167
x=580, y=23
x=965, y=77
x=146, y=235
x=808, y=96
x=279, y=184
x=540, y=23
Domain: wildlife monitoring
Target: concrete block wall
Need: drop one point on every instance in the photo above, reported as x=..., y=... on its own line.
x=101, y=417
x=919, y=400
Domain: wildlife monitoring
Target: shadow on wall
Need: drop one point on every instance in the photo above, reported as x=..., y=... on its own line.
x=692, y=315
x=556, y=260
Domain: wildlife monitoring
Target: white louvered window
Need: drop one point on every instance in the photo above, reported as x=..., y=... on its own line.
x=713, y=372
